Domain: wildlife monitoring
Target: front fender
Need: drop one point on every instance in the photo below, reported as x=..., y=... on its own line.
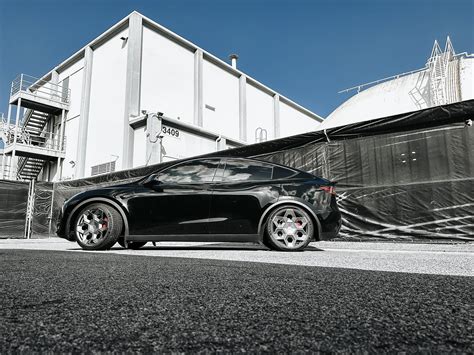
x=116, y=204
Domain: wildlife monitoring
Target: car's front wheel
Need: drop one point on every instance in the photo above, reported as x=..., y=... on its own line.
x=289, y=228
x=97, y=226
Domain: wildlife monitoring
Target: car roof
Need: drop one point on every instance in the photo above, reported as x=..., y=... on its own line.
x=239, y=158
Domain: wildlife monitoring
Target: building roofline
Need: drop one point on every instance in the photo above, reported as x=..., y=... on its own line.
x=93, y=44
x=119, y=26
x=226, y=66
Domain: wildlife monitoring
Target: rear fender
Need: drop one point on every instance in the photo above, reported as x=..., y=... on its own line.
x=286, y=200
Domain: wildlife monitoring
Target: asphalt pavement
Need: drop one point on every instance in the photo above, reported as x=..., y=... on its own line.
x=455, y=259
x=63, y=301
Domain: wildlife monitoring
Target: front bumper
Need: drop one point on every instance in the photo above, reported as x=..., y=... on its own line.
x=61, y=230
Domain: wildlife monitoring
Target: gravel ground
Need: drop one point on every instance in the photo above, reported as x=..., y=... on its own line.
x=86, y=302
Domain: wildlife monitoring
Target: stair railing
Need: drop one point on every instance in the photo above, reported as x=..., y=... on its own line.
x=40, y=88
x=21, y=165
x=47, y=140
x=26, y=117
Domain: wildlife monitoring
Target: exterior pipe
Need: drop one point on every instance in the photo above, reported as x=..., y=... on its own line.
x=233, y=59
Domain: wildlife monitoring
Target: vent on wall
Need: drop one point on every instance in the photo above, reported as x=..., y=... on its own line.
x=103, y=168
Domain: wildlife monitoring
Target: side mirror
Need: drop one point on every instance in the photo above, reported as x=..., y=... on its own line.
x=151, y=181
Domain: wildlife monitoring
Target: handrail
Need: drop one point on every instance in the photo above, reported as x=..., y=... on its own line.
x=358, y=87
x=40, y=88
x=46, y=140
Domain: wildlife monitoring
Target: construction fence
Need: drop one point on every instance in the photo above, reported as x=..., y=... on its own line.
x=406, y=177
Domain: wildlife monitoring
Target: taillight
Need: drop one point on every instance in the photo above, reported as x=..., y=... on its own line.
x=329, y=189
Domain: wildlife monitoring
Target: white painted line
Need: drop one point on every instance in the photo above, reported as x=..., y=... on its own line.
x=388, y=251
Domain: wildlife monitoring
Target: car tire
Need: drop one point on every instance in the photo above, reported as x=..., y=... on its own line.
x=97, y=226
x=289, y=228
x=267, y=243
x=131, y=245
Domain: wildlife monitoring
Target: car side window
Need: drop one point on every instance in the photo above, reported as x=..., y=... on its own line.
x=194, y=172
x=242, y=170
x=282, y=173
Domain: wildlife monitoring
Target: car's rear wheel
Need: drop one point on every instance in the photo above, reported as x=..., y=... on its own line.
x=289, y=228
x=97, y=226
x=131, y=245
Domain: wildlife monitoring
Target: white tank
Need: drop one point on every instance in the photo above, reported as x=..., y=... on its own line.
x=446, y=78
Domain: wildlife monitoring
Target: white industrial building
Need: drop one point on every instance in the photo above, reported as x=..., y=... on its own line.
x=446, y=78
x=97, y=111
x=139, y=94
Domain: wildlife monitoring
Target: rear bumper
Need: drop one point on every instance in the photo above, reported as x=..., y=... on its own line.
x=330, y=225
x=331, y=232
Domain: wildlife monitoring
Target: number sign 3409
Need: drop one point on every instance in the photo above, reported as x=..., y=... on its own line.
x=173, y=132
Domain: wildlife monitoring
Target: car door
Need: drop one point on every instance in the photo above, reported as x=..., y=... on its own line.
x=176, y=202
x=241, y=191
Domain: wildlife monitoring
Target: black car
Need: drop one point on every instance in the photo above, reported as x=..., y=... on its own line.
x=207, y=199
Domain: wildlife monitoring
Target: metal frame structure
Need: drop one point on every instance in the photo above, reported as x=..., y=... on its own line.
x=30, y=142
x=437, y=68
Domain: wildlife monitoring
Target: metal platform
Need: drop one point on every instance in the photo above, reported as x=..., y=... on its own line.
x=31, y=139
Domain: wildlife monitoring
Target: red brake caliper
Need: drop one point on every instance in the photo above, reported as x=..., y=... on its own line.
x=104, y=223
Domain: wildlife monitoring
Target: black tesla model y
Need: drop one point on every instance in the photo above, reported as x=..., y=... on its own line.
x=208, y=199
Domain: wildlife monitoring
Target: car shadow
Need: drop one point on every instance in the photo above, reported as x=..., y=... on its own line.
x=217, y=246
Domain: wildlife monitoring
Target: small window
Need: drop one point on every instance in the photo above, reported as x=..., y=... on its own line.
x=282, y=173
x=242, y=170
x=199, y=171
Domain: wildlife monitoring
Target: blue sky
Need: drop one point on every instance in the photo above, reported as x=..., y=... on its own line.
x=306, y=49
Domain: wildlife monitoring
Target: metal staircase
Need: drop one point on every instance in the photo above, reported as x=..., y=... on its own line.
x=38, y=137
x=438, y=68
x=34, y=121
x=33, y=126
x=29, y=168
